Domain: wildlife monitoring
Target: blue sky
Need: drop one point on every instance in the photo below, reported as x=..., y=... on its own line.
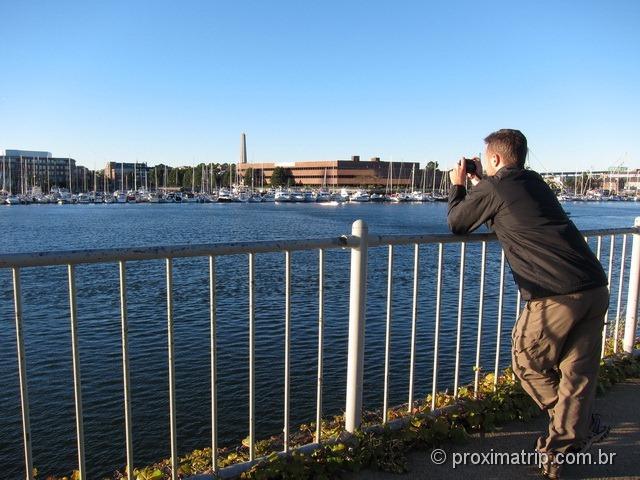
x=178, y=82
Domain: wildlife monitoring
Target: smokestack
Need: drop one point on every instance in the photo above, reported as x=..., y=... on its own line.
x=355, y=158
x=243, y=148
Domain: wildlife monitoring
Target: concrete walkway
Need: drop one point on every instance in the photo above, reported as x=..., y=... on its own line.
x=619, y=407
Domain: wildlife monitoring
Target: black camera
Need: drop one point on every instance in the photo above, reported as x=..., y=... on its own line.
x=470, y=165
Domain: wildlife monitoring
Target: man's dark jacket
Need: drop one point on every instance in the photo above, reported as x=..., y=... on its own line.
x=547, y=253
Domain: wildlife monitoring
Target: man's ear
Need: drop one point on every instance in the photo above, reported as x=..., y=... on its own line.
x=496, y=160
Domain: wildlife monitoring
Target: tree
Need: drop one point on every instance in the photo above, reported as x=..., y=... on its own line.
x=281, y=177
x=228, y=171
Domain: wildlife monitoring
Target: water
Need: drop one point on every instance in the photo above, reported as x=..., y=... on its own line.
x=48, y=343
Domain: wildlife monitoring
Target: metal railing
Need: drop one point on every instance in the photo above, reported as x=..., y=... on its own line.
x=359, y=242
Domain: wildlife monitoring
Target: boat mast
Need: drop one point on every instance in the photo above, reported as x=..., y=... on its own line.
x=413, y=171
x=433, y=189
x=424, y=180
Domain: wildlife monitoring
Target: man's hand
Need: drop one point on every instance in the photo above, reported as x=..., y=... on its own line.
x=458, y=174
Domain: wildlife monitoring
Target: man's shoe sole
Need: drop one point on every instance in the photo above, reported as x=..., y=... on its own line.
x=597, y=438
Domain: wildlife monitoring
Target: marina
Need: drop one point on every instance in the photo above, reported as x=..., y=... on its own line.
x=333, y=182
x=242, y=195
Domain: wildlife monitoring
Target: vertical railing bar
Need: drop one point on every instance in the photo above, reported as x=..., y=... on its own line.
x=499, y=330
x=214, y=366
x=287, y=327
x=125, y=367
x=604, y=324
x=606, y=315
x=414, y=321
x=172, y=373
x=436, y=339
x=387, y=340
x=252, y=360
x=22, y=372
x=320, y=342
x=480, y=314
x=620, y=285
x=631, y=303
x=77, y=386
x=456, y=375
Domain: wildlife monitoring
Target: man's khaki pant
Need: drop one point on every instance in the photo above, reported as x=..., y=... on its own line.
x=556, y=355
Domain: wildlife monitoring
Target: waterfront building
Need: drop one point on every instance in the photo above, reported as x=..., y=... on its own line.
x=21, y=170
x=340, y=173
x=126, y=176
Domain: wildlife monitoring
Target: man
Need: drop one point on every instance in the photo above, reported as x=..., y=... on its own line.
x=556, y=340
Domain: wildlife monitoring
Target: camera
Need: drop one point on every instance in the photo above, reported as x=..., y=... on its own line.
x=470, y=165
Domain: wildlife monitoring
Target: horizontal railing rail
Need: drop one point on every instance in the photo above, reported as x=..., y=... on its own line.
x=76, y=257
x=359, y=241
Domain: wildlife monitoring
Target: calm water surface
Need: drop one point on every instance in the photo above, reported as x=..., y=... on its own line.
x=48, y=342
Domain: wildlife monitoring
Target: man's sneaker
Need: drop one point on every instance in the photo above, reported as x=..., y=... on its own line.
x=549, y=467
x=598, y=431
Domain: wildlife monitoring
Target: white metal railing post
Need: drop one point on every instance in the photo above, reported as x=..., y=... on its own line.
x=414, y=321
x=456, y=374
x=612, y=245
x=616, y=331
x=125, y=368
x=320, y=347
x=476, y=368
x=172, y=372
x=22, y=371
x=387, y=338
x=252, y=356
x=357, y=303
x=214, y=363
x=436, y=337
x=77, y=387
x=631, y=319
x=496, y=370
x=287, y=350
